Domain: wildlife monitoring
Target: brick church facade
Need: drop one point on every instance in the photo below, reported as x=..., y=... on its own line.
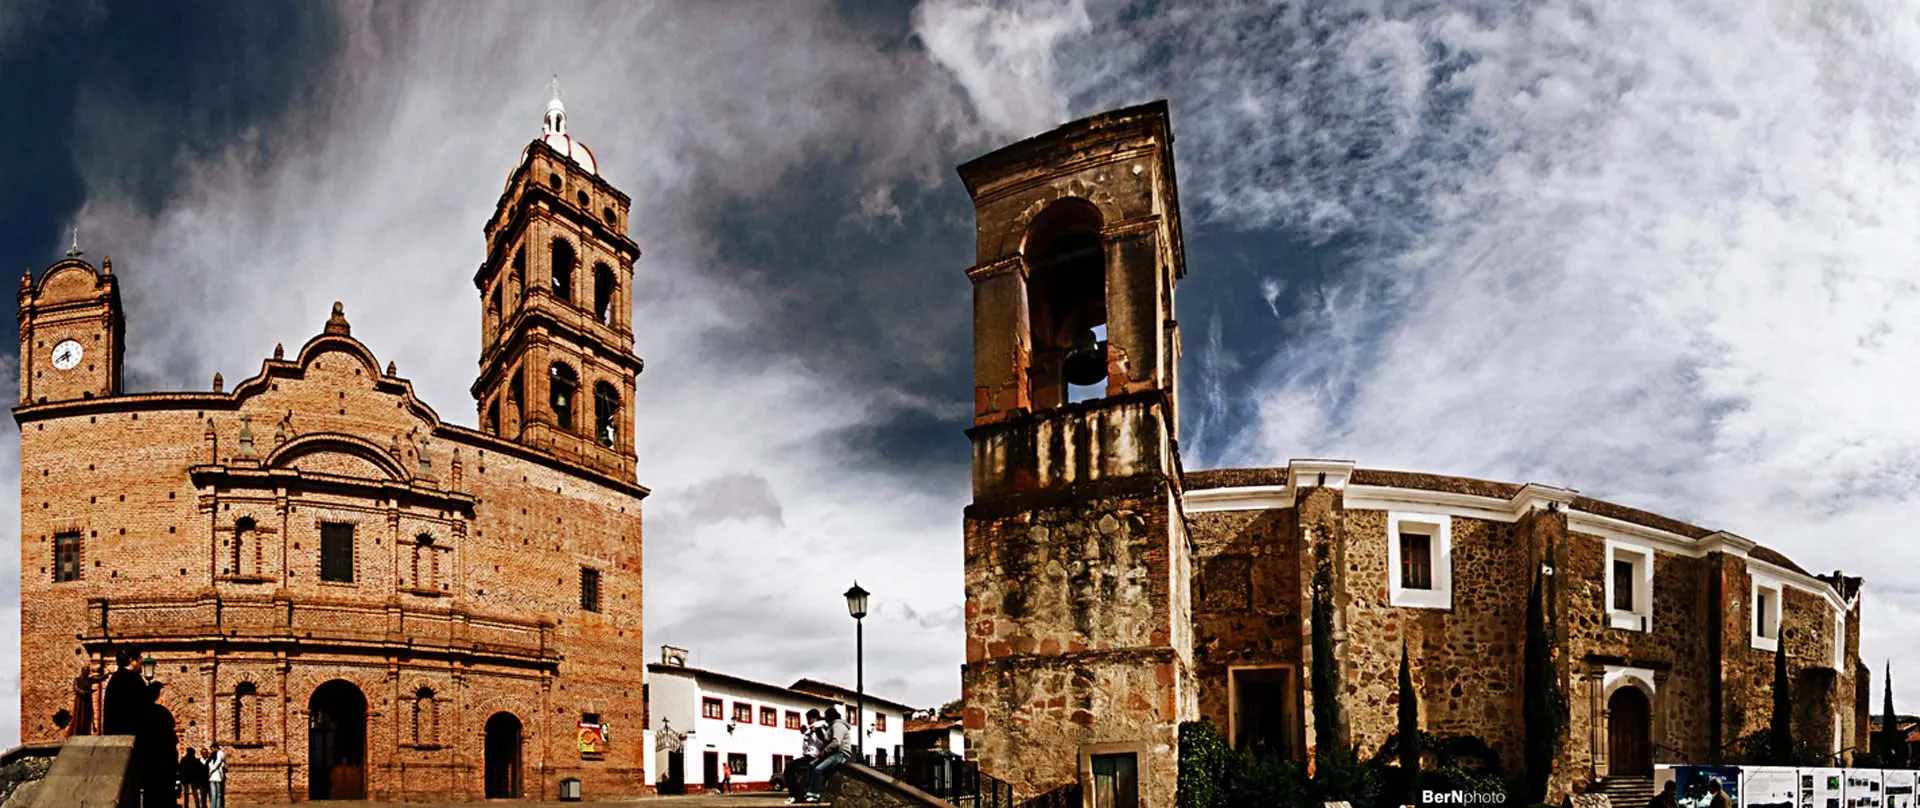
x=1112, y=594
x=350, y=594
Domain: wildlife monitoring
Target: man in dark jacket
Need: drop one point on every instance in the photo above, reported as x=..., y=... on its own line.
x=129, y=698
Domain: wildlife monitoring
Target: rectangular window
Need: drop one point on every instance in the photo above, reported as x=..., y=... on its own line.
x=793, y=720
x=710, y=708
x=1767, y=602
x=589, y=589
x=879, y=722
x=1116, y=781
x=880, y=757
x=1622, y=585
x=737, y=761
x=853, y=716
x=779, y=764
x=1416, y=561
x=742, y=712
x=66, y=557
x=336, y=552
x=769, y=717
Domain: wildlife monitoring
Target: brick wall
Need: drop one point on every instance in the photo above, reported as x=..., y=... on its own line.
x=494, y=624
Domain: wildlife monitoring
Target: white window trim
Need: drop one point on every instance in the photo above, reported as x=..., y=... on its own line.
x=1440, y=527
x=1839, y=642
x=1778, y=610
x=1641, y=617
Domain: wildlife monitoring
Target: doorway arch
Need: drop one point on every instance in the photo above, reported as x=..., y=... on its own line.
x=1629, y=733
x=337, y=742
x=503, y=755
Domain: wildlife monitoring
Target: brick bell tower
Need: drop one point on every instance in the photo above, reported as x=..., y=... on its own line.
x=557, y=366
x=1079, y=643
x=72, y=332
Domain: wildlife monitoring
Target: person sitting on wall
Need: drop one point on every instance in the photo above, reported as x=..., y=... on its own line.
x=813, y=738
x=833, y=755
x=1668, y=797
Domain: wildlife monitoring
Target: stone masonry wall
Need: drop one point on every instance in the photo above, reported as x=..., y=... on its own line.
x=119, y=474
x=1247, y=601
x=1068, y=640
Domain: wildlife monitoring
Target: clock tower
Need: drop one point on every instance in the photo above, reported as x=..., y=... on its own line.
x=557, y=366
x=72, y=333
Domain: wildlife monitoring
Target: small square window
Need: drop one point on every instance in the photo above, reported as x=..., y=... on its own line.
x=1629, y=586
x=1416, y=561
x=1767, y=603
x=1622, y=585
x=793, y=719
x=711, y=708
x=879, y=722
x=769, y=717
x=737, y=762
x=742, y=712
x=589, y=589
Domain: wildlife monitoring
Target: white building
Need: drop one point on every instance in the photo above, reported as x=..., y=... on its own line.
x=705, y=723
x=886, y=720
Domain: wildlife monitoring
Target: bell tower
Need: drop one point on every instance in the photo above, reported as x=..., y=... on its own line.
x=557, y=366
x=72, y=332
x=1079, y=646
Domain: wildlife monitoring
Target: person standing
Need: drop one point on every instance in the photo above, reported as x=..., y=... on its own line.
x=1716, y=797
x=193, y=780
x=1668, y=797
x=217, y=777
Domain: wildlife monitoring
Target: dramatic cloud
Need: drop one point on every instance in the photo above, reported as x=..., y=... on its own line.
x=1654, y=251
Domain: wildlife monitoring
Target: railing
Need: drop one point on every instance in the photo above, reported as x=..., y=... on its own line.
x=962, y=784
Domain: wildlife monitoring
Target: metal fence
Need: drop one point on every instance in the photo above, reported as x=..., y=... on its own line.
x=961, y=783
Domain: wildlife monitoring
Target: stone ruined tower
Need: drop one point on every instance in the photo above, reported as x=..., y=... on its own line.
x=1079, y=647
x=556, y=363
x=72, y=332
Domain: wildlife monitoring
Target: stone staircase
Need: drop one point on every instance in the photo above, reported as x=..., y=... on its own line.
x=1625, y=791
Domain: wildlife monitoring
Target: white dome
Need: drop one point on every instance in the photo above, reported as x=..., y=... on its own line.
x=565, y=144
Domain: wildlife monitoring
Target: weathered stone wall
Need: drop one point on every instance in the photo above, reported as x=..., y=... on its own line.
x=1465, y=660
x=1070, y=638
x=157, y=546
x=1247, y=603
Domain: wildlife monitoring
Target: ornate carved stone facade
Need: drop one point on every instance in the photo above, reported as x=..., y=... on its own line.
x=1112, y=594
x=350, y=594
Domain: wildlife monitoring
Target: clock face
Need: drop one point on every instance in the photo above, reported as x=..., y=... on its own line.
x=66, y=355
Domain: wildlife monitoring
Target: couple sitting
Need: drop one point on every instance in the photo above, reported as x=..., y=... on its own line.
x=825, y=745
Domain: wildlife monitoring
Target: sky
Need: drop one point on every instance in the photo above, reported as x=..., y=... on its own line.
x=1657, y=252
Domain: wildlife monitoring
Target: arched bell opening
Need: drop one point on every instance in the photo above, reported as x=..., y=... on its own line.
x=1066, y=304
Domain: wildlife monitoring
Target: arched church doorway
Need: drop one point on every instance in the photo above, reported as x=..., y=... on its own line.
x=503, y=756
x=1629, y=733
x=337, y=742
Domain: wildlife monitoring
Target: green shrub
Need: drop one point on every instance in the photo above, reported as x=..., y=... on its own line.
x=1207, y=766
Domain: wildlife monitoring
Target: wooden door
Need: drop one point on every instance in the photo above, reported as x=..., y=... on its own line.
x=1629, y=733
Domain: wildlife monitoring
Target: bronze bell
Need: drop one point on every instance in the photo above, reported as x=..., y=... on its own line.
x=1086, y=361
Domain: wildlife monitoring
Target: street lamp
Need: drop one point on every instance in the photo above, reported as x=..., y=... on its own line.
x=147, y=668
x=857, y=606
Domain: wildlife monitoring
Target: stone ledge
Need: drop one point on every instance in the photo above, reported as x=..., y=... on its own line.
x=91, y=772
x=858, y=786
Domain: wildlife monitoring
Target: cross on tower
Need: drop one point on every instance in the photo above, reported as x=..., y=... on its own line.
x=555, y=86
x=74, y=251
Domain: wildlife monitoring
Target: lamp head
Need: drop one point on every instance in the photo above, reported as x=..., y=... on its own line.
x=857, y=601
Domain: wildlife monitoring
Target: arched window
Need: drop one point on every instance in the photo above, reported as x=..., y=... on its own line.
x=426, y=563
x=606, y=414
x=493, y=417
x=426, y=718
x=516, y=398
x=519, y=271
x=1067, y=303
x=493, y=310
x=246, y=547
x=563, y=263
x=603, y=293
x=246, y=712
x=562, y=384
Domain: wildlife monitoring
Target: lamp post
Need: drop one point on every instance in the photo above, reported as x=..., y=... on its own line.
x=857, y=606
x=147, y=668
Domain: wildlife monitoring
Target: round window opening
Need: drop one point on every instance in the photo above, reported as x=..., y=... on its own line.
x=607, y=214
x=554, y=180
x=582, y=196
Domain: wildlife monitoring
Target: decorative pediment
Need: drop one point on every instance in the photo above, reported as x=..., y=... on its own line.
x=338, y=455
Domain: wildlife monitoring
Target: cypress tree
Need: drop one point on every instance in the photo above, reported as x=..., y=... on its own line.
x=1780, y=731
x=1541, y=699
x=1893, y=747
x=1409, y=728
x=1326, y=705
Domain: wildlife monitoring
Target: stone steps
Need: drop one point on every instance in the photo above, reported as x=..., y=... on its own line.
x=1625, y=791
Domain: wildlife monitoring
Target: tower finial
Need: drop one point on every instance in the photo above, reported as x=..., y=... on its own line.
x=556, y=120
x=74, y=251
